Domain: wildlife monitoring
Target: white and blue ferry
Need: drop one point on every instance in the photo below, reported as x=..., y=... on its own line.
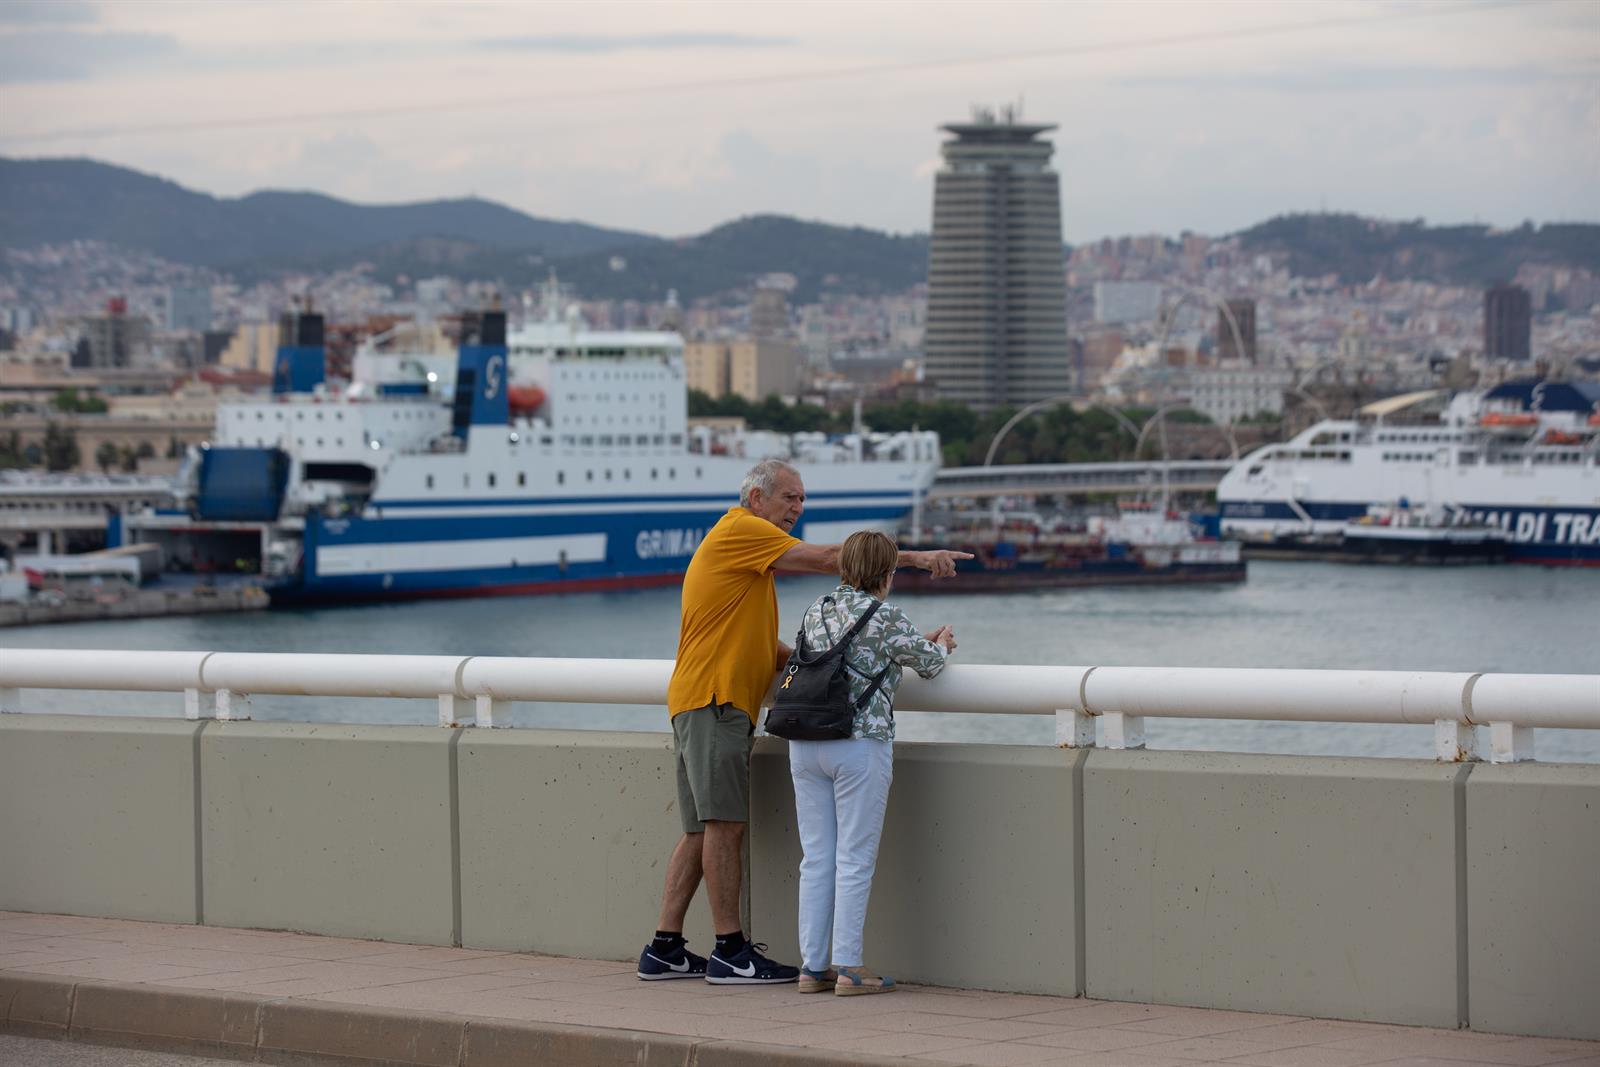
x=554, y=459
x=1523, y=456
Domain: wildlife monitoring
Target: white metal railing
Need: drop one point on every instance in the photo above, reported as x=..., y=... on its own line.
x=1120, y=699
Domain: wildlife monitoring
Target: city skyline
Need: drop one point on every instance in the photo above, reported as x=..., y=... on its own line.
x=672, y=119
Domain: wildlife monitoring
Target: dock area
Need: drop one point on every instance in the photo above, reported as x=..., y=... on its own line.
x=271, y=996
x=165, y=598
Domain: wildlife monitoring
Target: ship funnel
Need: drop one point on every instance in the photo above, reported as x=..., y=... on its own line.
x=302, y=360
x=481, y=373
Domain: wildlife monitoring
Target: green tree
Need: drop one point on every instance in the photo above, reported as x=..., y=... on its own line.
x=106, y=456
x=128, y=458
x=11, y=450
x=68, y=400
x=60, y=452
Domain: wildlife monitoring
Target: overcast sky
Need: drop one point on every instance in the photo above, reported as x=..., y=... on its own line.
x=673, y=117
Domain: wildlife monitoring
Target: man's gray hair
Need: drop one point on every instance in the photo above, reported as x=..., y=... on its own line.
x=763, y=476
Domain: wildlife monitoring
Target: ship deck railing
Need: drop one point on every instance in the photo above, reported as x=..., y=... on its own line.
x=1104, y=706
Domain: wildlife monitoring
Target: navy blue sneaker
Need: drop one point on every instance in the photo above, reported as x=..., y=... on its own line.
x=677, y=962
x=748, y=967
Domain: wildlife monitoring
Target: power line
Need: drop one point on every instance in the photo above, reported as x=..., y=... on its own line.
x=797, y=77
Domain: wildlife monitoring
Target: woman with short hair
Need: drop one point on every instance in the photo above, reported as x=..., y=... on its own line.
x=841, y=788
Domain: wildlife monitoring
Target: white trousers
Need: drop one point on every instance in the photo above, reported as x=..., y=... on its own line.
x=841, y=789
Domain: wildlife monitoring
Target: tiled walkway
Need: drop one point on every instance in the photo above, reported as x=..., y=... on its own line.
x=472, y=1007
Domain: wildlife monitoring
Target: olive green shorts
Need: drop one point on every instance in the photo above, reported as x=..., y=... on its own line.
x=713, y=747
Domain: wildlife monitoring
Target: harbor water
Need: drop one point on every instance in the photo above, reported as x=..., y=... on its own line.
x=1288, y=614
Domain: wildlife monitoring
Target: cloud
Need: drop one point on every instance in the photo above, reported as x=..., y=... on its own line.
x=47, y=12
x=69, y=55
x=1363, y=78
x=659, y=42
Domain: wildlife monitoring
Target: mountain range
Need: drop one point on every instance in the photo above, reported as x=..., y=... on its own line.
x=51, y=201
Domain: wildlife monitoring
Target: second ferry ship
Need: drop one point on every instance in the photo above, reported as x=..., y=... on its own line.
x=1523, y=456
x=551, y=459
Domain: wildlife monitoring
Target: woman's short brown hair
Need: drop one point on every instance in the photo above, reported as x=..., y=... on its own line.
x=867, y=560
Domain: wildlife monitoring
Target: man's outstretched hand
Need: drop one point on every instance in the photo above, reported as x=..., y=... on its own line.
x=939, y=562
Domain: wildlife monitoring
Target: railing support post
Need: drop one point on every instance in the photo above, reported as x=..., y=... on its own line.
x=1074, y=728
x=199, y=704
x=232, y=706
x=454, y=710
x=10, y=701
x=1454, y=742
x=1121, y=731
x=1510, y=743
x=488, y=711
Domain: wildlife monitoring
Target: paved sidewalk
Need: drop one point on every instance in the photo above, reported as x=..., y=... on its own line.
x=277, y=996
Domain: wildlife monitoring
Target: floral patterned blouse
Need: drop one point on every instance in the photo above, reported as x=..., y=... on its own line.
x=887, y=640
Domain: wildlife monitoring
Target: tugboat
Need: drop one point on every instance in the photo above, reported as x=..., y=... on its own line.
x=1141, y=545
x=1402, y=532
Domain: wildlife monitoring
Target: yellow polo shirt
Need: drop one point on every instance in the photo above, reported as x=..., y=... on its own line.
x=728, y=639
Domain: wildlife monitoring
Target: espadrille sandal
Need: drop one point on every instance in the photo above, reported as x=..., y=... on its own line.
x=857, y=982
x=817, y=982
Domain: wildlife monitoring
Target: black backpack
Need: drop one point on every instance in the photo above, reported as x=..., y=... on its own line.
x=813, y=698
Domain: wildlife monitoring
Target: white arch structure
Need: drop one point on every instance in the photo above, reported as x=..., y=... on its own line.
x=1054, y=401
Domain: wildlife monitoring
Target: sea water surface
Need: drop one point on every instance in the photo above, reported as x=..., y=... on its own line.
x=1288, y=614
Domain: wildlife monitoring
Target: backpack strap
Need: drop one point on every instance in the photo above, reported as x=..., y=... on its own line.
x=877, y=684
x=841, y=646
x=800, y=636
x=865, y=615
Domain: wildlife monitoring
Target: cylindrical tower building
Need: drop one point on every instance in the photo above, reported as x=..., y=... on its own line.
x=997, y=316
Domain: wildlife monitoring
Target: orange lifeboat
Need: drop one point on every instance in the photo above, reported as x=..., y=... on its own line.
x=1497, y=418
x=1594, y=420
x=525, y=399
x=1558, y=437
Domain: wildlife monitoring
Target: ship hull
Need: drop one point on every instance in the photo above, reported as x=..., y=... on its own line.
x=640, y=545
x=1025, y=577
x=1551, y=536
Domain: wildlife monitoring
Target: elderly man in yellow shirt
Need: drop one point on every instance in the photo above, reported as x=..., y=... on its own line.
x=728, y=651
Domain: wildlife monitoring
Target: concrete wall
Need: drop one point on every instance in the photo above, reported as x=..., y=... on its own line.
x=1398, y=890
x=329, y=829
x=1273, y=883
x=97, y=816
x=564, y=840
x=1533, y=890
